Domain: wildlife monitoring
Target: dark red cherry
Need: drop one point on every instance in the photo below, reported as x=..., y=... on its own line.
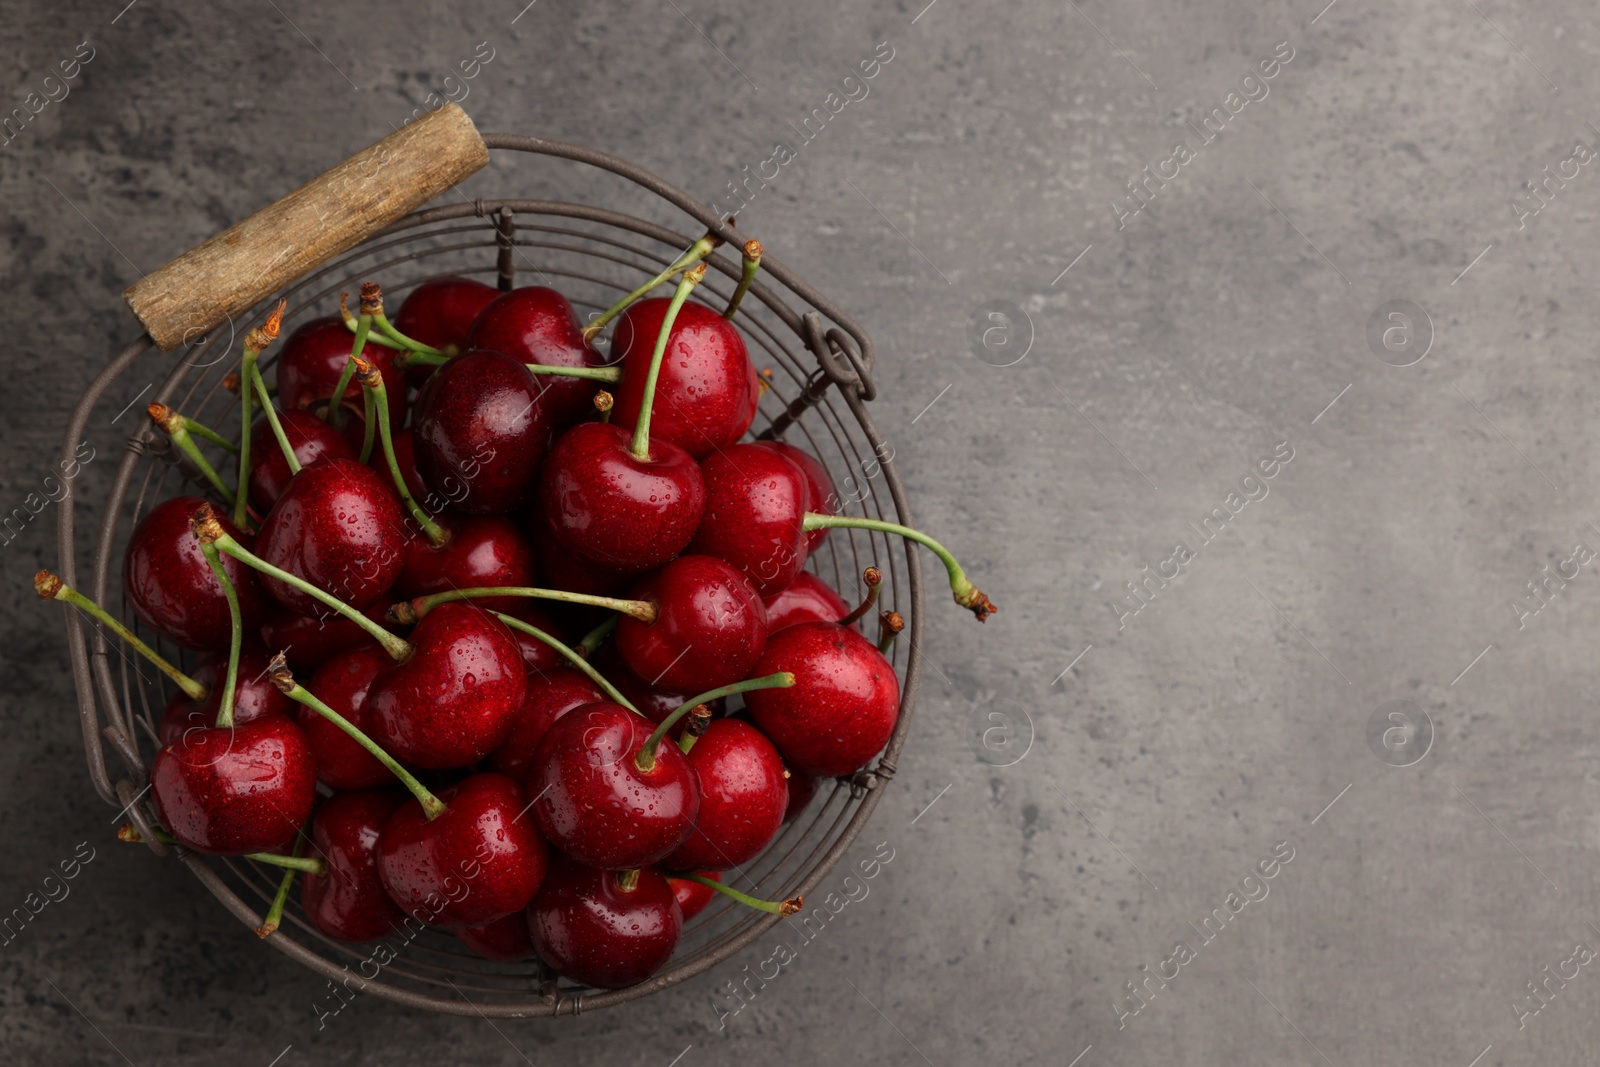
x=614, y=509
x=339, y=527
x=343, y=683
x=171, y=587
x=313, y=359
x=692, y=896
x=755, y=503
x=254, y=695
x=551, y=694
x=707, y=391
x=591, y=929
x=802, y=788
x=348, y=903
x=247, y=788
x=480, y=552
x=656, y=704
x=823, y=497
x=506, y=939
x=710, y=626
x=842, y=707
x=310, y=437
x=440, y=313
x=743, y=797
x=481, y=859
x=806, y=599
x=595, y=804
x=453, y=701
x=478, y=425
x=536, y=655
x=309, y=641
x=537, y=325
x=568, y=570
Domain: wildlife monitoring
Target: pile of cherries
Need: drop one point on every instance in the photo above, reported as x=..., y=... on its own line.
x=500, y=635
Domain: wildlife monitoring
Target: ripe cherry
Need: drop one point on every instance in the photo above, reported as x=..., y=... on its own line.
x=348, y=902
x=343, y=683
x=819, y=485
x=479, y=552
x=756, y=500
x=708, y=390
x=693, y=896
x=339, y=527
x=538, y=325
x=843, y=707
x=802, y=789
x=743, y=797
x=453, y=701
x=478, y=860
x=806, y=599
x=172, y=588
x=568, y=570
x=232, y=790
x=254, y=696
x=536, y=655
x=478, y=423
x=310, y=437
x=605, y=929
x=312, y=362
x=709, y=630
x=506, y=939
x=653, y=702
x=551, y=694
x=309, y=641
x=439, y=313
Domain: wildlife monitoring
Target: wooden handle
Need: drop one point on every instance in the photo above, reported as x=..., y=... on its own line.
x=253, y=259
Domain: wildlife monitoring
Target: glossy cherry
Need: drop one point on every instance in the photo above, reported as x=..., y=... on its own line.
x=755, y=503
x=506, y=939
x=820, y=489
x=348, y=902
x=692, y=896
x=478, y=424
x=614, y=509
x=338, y=526
x=843, y=706
x=481, y=859
x=313, y=359
x=710, y=626
x=604, y=929
x=453, y=700
x=743, y=797
x=806, y=599
x=551, y=694
x=567, y=570
x=439, y=313
x=655, y=703
x=248, y=788
x=310, y=437
x=707, y=391
x=595, y=804
x=343, y=683
x=171, y=587
x=254, y=696
x=309, y=641
x=480, y=552
x=538, y=325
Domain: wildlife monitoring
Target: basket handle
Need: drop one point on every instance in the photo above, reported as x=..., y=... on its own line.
x=236, y=269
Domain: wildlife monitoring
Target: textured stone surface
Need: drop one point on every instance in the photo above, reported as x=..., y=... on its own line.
x=1171, y=358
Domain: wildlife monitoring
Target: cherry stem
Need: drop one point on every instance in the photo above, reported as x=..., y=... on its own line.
x=577, y=660
x=409, y=611
x=200, y=429
x=593, y=374
x=646, y=759
x=369, y=434
x=641, y=429
x=890, y=623
x=873, y=577
x=785, y=908
x=175, y=426
x=334, y=416
x=395, y=646
x=279, y=671
x=594, y=637
x=603, y=403
x=129, y=833
x=274, y=917
x=628, y=881
x=752, y=263
x=966, y=594
x=50, y=587
x=697, y=251
x=272, y=420
x=352, y=324
x=699, y=721
x=415, y=348
x=255, y=342
x=372, y=383
x=236, y=636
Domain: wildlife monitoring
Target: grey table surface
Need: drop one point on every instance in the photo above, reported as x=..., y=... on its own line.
x=1085, y=783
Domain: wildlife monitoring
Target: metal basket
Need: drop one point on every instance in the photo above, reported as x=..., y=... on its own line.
x=594, y=255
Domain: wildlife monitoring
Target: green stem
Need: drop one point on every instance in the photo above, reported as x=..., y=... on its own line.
x=175, y=427
x=407, y=358
x=275, y=913
x=697, y=251
x=646, y=759
x=335, y=413
x=773, y=907
x=236, y=637
x=592, y=639
x=642, y=610
x=352, y=324
x=310, y=865
x=593, y=374
x=395, y=646
x=387, y=329
x=752, y=263
x=272, y=420
x=370, y=431
x=966, y=594
x=641, y=429
x=372, y=383
x=49, y=587
x=431, y=805
x=200, y=429
x=577, y=661
x=241, y=505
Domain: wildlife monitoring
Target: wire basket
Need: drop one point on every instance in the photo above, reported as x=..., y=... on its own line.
x=820, y=381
